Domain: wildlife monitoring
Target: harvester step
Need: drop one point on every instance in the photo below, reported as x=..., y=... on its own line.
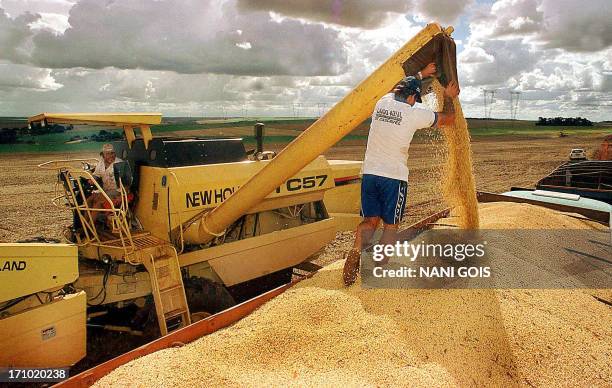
x=171, y=288
x=168, y=290
x=174, y=313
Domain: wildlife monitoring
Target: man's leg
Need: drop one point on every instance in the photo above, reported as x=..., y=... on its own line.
x=389, y=237
x=394, y=193
x=365, y=231
x=371, y=211
x=363, y=235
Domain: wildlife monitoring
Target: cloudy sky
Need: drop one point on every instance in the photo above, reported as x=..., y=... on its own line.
x=280, y=57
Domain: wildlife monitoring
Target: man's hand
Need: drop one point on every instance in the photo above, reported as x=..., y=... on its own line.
x=429, y=70
x=446, y=119
x=452, y=89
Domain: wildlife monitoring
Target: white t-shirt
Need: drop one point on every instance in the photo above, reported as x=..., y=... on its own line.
x=393, y=126
x=107, y=175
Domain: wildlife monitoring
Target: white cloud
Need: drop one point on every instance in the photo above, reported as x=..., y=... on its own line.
x=443, y=11
x=52, y=14
x=26, y=77
x=511, y=17
x=494, y=61
x=15, y=36
x=356, y=13
x=17, y=7
x=52, y=21
x=572, y=25
x=189, y=36
x=577, y=25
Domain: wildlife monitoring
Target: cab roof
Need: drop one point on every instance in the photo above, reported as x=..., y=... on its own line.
x=115, y=119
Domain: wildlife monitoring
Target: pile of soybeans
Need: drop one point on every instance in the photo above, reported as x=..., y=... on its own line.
x=320, y=333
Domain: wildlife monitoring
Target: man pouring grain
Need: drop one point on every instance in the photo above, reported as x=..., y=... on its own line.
x=384, y=183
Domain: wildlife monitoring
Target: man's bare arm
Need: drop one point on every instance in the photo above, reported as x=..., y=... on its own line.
x=446, y=119
x=451, y=91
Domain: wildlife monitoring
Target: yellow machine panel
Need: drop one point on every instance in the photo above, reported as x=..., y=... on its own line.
x=51, y=335
x=343, y=202
x=29, y=268
x=180, y=193
x=244, y=260
x=118, y=287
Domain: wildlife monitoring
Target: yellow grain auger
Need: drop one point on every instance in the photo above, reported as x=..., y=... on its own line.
x=200, y=224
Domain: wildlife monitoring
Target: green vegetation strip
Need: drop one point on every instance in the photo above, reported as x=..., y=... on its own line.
x=56, y=142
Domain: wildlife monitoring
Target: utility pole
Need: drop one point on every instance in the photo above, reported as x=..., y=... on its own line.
x=321, y=107
x=489, y=99
x=514, y=104
x=297, y=106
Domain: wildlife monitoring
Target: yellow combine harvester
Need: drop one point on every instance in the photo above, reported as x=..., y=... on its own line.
x=200, y=223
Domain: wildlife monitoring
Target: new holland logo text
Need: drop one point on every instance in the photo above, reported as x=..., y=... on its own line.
x=208, y=197
x=12, y=265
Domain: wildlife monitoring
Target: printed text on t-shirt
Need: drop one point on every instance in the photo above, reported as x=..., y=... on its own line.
x=388, y=116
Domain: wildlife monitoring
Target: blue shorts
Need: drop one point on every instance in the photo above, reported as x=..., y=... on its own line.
x=383, y=197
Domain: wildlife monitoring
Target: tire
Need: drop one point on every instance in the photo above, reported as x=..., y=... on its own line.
x=205, y=295
x=252, y=288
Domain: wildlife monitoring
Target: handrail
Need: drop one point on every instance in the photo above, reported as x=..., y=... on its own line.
x=178, y=212
x=84, y=212
x=56, y=165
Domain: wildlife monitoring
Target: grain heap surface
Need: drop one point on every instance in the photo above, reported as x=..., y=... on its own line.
x=511, y=215
x=320, y=333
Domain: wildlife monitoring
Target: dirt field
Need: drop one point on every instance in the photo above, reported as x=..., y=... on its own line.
x=499, y=163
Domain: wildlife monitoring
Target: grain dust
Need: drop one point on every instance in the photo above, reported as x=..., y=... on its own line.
x=458, y=185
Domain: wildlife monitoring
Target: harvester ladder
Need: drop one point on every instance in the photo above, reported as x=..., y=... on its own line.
x=168, y=290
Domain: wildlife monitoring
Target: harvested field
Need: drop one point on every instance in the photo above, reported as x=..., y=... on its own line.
x=320, y=333
x=499, y=163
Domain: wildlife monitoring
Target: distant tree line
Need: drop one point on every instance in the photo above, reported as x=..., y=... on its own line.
x=102, y=136
x=106, y=136
x=36, y=130
x=11, y=135
x=563, y=121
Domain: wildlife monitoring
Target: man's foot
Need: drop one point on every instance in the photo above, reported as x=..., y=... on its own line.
x=351, y=266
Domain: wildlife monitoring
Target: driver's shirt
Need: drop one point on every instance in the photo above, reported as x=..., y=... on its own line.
x=393, y=126
x=107, y=175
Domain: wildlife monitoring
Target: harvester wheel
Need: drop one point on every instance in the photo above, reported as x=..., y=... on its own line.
x=205, y=295
x=255, y=287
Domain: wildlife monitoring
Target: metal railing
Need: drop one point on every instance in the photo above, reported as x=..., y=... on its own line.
x=70, y=193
